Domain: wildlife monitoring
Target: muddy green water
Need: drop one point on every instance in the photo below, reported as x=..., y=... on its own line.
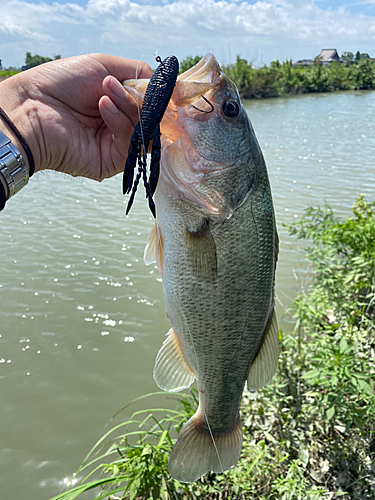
x=82, y=318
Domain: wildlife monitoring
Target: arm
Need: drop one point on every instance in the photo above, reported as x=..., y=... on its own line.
x=74, y=114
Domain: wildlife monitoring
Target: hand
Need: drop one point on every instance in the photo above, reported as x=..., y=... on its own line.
x=74, y=114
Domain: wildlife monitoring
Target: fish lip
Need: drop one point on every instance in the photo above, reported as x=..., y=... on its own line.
x=206, y=70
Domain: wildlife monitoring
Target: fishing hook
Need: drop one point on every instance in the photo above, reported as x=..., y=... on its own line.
x=201, y=110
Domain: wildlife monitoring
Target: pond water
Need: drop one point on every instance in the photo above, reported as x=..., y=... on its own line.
x=82, y=318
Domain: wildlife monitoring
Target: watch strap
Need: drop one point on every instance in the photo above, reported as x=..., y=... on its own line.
x=3, y=196
x=13, y=169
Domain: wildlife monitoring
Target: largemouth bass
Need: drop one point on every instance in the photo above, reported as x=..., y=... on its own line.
x=216, y=246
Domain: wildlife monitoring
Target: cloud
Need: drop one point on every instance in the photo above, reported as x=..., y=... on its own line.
x=261, y=31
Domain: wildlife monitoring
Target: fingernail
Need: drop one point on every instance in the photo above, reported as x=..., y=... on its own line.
x=116, y=87
x=110, y=106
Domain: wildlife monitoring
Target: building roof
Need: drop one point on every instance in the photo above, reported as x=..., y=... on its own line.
x=328, y=55
x=302, y=62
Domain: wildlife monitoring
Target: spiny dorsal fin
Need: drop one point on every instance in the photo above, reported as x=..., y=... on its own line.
x=171, y=371
x=264, y=366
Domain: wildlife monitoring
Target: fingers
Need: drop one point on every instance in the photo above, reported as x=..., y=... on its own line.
x=121, y=130
x=120, y=114
x=122, y=68
x=122, y=99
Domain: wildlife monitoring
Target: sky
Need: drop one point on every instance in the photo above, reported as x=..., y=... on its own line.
x=258, y=30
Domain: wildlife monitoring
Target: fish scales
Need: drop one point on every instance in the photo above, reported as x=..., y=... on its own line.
x=216, y=246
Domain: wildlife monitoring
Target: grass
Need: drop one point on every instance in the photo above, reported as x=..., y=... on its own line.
x=7, y=73
x=310, y=433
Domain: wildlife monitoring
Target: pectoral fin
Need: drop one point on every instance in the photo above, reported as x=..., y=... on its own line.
x=264, y=366
x=202, y=250
x=154, y=250
x=171, y=371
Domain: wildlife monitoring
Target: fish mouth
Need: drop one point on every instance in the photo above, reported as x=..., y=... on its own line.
x=197, y=81
x=190, y=85
x=206, y=70
x=183, y=170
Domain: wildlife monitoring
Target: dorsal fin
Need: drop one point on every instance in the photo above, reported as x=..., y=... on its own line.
x=264, y=366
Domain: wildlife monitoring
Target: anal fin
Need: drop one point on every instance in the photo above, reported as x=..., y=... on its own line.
x=171, y=372
x=264, y=366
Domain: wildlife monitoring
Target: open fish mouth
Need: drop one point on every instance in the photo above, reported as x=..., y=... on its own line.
x=201, y=78
x=195, y=112
x=197, y=81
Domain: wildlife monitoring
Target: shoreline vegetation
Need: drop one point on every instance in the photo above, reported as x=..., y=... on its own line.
x=310, y=433
x=279, y=79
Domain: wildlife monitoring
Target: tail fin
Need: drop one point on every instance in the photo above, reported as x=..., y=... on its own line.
x=195, y=453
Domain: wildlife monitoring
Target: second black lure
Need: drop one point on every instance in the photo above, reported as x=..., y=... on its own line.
x=155, y=102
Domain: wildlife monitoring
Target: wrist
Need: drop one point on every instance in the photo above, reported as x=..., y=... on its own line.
x=21, y=112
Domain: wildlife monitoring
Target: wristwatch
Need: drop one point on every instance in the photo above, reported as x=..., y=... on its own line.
x=14, y=174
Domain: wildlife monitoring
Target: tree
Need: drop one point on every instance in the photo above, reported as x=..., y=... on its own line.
x=362, y=75
x=35, y=60
x=348, y=57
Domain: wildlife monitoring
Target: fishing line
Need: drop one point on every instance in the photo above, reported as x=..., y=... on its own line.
x=196, y=359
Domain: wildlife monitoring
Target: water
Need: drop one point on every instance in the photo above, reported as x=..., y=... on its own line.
x=82, y=318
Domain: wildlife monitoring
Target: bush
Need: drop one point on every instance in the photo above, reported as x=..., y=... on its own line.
x=309, y=434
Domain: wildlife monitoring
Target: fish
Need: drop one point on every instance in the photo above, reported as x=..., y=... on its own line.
x=215, y=244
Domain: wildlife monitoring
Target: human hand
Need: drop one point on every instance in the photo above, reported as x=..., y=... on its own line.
x=74, y=114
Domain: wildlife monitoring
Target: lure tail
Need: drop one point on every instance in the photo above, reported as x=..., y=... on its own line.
x=131, y=161
x=155, y=160
x=195, y=452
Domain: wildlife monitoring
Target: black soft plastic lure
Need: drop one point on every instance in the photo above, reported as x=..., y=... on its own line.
x=155, y=102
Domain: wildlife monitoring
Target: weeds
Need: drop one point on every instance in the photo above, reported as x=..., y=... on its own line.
x=309, y=434
x=7, y=73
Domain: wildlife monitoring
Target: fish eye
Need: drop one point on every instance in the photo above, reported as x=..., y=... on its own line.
x=231, y=108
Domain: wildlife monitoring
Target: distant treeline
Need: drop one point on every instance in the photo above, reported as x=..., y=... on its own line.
x=279, y=78
x=30, y=62
x=283, y=78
